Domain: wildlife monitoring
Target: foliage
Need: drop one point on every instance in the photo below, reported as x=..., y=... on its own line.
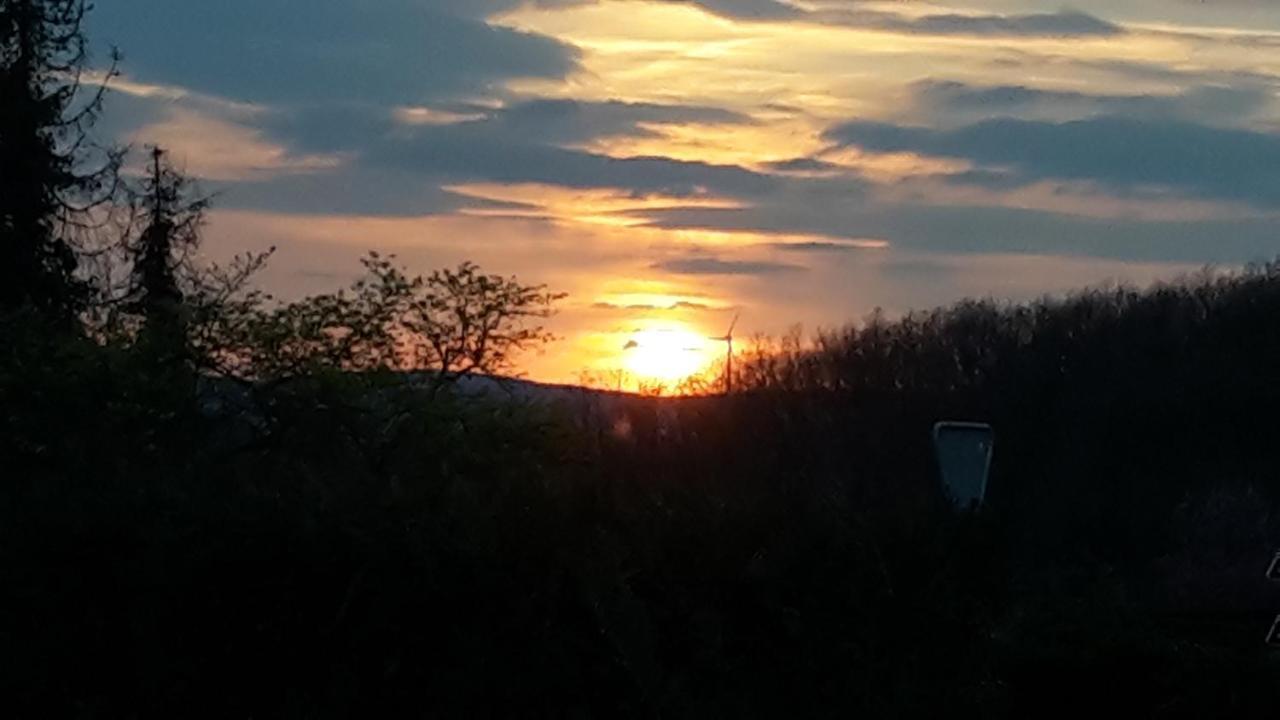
x=55, y=181
x=338, y=543
x=452, y=323
x=172, y=216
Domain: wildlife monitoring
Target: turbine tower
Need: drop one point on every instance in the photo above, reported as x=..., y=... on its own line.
x=728, y=362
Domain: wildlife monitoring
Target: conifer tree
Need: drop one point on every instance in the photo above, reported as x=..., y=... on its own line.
x=54, y=181
x=160, y=253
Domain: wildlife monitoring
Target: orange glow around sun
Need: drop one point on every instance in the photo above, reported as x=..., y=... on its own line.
x=667, y=354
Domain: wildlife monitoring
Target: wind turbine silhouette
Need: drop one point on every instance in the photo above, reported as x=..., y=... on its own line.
x=728, y=362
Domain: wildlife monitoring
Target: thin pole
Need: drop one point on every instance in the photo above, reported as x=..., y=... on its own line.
x=728, y=369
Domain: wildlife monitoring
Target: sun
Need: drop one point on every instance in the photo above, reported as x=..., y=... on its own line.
x=666, y=354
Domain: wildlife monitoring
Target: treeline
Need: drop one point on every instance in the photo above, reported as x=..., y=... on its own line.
x=212, y=504
x=344, y=543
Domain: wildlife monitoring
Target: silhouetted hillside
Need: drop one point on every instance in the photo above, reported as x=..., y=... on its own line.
x=346, y=544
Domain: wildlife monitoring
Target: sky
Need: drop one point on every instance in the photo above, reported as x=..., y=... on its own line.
x=672, y=164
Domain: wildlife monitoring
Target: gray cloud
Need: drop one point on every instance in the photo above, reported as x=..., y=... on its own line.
x=573, y=121
x=388, y=167
x=405, y=176
x=349, y=191
x=1117, y=153
x=820, y=246
x=717, y=266
x=470, y=154
x=334, y=127
x=391, y=51
x=1065, y=23
x=974, y=229
x=804, y=165
x=523, y=144
x=749, y=9
x=948, y=101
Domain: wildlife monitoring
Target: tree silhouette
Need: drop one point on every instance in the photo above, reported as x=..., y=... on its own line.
x=451, y=324
x=55, y=182
x=173, y=217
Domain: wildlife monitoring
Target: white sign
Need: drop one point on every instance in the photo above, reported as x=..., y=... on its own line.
x=964, y=460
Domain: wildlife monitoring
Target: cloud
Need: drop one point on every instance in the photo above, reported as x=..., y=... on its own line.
x=749, y=9
x=950, y=102
x=522, y=143
x=360, y=159
x=805, y=166
x=560, y=121
x=390, y=52
x=1132, y=72
x=1117, y=153
x=919, y=226
x=480, y=152
x=1064, y=23
x=679, y=305
x=408, y=179
x=717, y=266
x=215, y=149
x=338, y=80
x=352, y=191
x=829, y=246
x=557, y=122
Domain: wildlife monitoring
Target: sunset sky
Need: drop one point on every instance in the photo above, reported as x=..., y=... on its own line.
x=672, y=163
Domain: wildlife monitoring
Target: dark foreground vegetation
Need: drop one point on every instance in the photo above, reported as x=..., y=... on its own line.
x=215, y=505
x=351, y=543
x=347, y=544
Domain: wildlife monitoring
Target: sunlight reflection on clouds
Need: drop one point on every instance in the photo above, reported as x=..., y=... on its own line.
x=668, y=163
